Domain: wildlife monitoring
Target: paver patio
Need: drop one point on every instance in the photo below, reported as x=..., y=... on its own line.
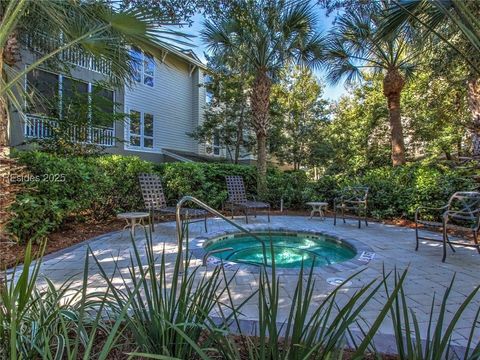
x=393, y=247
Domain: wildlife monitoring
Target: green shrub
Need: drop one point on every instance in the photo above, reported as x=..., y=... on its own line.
x=294, y=187
x=395, y=192
x=84, y=188
x=204, y=181
x=59, y=188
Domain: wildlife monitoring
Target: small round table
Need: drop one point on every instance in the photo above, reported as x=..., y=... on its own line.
x=134, y=219
x=318, y=206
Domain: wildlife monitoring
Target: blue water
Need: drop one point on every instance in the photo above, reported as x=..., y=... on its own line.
x=289, y=250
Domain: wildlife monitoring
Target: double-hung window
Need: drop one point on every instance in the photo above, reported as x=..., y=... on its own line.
x=141, y=129
x=143, y=67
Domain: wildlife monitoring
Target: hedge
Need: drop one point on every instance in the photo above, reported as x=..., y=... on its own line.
x=58, y=189
x=395, y=192
x=99, y=187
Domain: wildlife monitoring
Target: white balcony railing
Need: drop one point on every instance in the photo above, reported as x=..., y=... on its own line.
x=39, y=127
x=73, y=55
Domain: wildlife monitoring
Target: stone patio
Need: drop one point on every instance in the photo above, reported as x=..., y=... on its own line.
x=393, y=247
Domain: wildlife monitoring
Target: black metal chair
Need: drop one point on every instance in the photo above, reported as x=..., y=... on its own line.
x=156, y=204
x=462, y=212
x=237, y=198
x=353, y=199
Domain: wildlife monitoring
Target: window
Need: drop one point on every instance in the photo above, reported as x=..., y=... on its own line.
x=143, y=67
x=42, y=93
x=136, y=56
x=103, y=106
x=135, y=128
x=74, y=94
x=141, y=129
x=216, y=143
x=148, y=70
x=47, y=93
x=208, y=97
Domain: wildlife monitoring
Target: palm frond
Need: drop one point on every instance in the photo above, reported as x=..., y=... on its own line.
x=433, y=16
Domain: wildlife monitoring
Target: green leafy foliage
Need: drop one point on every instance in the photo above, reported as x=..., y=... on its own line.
x=194, y=315
x=56, y=321
x=58, y=188
x=298, y=115
x=204, y=181
x=395, y=192
x=96, y=188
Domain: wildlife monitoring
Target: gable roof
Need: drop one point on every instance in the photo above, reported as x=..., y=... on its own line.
x=185, y=54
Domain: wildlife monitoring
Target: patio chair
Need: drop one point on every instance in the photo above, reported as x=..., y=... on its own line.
x=462, y=212
x=156, y=204
x=352, y=199
x=237, y=198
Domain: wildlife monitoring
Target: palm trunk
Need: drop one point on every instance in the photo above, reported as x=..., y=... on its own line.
x=260, y=100
x=4, y=142
x=239, y=140
x=473, y=91
x=8, y=55
x=392, y=87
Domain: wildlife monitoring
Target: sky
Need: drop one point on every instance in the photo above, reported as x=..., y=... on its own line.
x=324, y=23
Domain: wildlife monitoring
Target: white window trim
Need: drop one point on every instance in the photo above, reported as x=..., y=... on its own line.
x=141, y=147
x=142, y=69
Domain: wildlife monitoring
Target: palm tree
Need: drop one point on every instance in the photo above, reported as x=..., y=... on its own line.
x=92, y=27
x=353, y=47
x=95, y=28
x=461, y=20
x=268, y=34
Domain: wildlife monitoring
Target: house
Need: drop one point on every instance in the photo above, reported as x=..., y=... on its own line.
x=163, y=104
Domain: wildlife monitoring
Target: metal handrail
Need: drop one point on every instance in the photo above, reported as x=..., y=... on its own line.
x=186, y=198
x=211, y=252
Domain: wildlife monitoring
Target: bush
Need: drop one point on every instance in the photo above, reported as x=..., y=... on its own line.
x=395, y=192
x=59, y=188
x=203, y=180
x=85, y=188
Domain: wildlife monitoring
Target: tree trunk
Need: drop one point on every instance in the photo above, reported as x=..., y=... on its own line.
x=4, y=141
x=473, y=91
x=392, y=87
x=260, y=102
x=261, y=163
x=239, y=140
x=7, y=190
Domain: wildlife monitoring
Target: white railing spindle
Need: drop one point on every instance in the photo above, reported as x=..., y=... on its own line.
x=39, y=127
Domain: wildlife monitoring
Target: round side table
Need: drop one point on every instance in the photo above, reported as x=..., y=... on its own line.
x=134, y=219
x=318, y=206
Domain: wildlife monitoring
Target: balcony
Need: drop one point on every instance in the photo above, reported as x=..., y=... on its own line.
x=40, y=127
x=73, y=55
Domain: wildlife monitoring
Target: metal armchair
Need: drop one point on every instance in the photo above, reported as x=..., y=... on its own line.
x=462, y=212
x=354, y=199
x=155, y=202
x=237, y=198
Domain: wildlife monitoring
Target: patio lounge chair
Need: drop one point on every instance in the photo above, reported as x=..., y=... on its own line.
x=156, y=204
x=462, y=212
x=352, y=199
x=237, y=198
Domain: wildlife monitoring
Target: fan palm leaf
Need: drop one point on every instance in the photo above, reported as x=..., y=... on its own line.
x=268, y=35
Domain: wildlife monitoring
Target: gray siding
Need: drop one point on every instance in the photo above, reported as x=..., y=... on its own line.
x=174, y=102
